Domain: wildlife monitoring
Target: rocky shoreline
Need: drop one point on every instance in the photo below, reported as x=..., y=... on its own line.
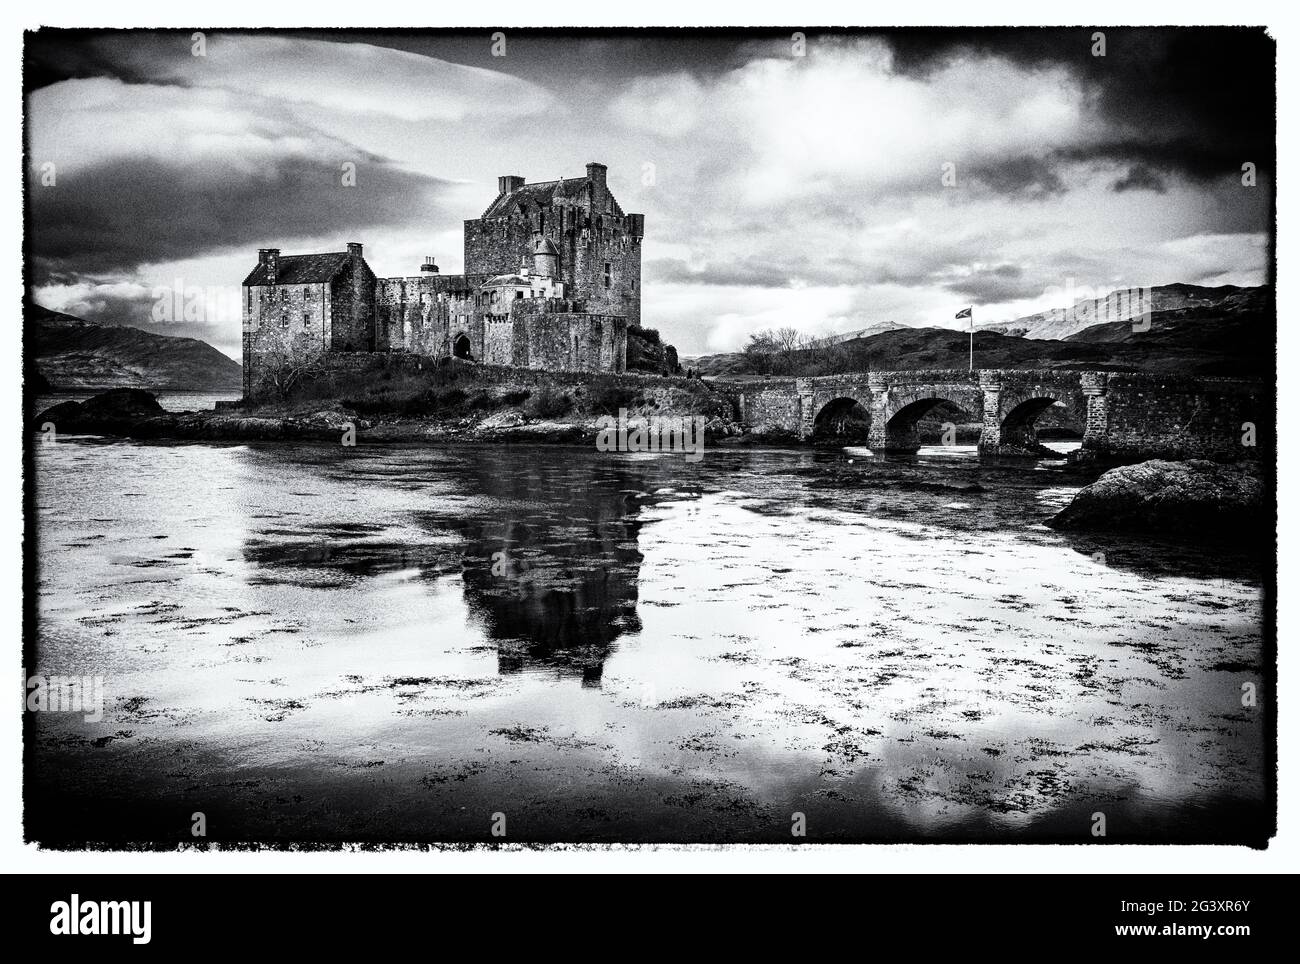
x=1187, y=499
x=135, y=413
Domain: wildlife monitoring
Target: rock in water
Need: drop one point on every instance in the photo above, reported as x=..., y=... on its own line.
x=1179, y=498
x=116, y=411
x=122, y=403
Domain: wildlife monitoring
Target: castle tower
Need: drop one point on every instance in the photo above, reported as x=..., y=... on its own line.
x=597, y=247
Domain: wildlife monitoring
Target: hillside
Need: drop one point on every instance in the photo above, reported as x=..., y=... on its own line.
x=74, y=354
x=1060, y=323
x=1233, y=337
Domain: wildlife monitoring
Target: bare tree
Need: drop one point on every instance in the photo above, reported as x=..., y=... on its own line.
x=291, y=362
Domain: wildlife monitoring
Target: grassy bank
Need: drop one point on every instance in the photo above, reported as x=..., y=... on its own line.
x=456, y=393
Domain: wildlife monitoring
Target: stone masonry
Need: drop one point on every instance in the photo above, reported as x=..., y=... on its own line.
x=552, y=280
x=1125, y=415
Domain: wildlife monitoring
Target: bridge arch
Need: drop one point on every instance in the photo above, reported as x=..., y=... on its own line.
x=1018, y=416
x=843, y=419
x=900, y=432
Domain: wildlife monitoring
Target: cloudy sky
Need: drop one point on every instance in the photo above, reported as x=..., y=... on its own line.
x=778, y=189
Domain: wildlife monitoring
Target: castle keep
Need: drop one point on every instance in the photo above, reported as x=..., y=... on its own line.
x=552, y=280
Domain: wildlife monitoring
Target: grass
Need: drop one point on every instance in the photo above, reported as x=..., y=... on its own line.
x=607, y=395
x=455, y=391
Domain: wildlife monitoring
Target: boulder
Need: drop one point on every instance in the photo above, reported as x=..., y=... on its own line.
x=119, y=411
x=60, y=414
x=1177, y=498
x=122, y=403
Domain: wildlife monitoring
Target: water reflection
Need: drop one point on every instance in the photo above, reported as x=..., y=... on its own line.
x=546, y=552
x=319, y=643
x=557, y=586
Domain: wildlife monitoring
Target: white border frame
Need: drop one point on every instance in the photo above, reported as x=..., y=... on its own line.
x=931, y=858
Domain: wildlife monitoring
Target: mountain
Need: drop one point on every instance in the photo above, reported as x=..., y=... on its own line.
x=876, y=329
x=1234, y=337
x=1057, y=323
x=74, y=354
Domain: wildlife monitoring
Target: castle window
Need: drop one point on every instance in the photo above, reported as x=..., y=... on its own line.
x=518, y=295
x=607, y=269
x=306, y=319
x=284, y=321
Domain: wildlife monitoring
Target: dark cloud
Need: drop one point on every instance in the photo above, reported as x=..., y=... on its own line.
x=1026, y=177
x=1195, y=100
x=1140, y=178
x=1000, y=283
x=117, y=215
x=767, y=272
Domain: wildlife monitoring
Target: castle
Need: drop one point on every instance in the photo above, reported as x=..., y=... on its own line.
x=552, y=280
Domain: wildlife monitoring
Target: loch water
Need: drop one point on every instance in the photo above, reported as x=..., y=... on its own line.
x=322, y=643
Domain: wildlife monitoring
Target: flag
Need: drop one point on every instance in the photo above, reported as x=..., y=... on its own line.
x=966, y=313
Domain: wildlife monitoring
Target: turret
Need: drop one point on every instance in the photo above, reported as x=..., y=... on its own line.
x=546, y=257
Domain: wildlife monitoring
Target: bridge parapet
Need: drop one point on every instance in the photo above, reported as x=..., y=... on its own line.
x=1143, y=415
x=1125, y=415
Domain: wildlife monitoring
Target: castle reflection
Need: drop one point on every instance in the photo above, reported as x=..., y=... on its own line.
x=551, y=570
x=546, y=547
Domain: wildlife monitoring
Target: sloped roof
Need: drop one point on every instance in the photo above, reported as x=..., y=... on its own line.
x=504, y=280
x=545, y=246
x=301, y=269
x=541, y=194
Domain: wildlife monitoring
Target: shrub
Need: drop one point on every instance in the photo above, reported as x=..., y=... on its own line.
x=549, y=403
x=516, y=398
x=607, y=396
x=650, y=335
x=450, y=398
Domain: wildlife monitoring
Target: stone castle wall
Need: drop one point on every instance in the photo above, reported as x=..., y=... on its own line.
x=599, y=245
x=599, y=262
x=281, y=321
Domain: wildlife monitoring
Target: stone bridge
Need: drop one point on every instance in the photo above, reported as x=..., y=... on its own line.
x=1121, y=414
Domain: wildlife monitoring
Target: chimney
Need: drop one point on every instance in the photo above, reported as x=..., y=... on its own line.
x=509, y=183
x=596, y=172
x=354, y=250
x=268, y=257
x=429, y=265
x=636, y=225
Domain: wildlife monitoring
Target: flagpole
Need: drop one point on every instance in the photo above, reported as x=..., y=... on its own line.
x=972, y=339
